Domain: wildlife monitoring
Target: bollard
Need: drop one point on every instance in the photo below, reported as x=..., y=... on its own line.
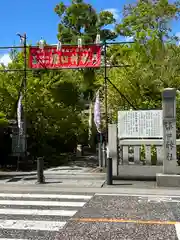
x=40, y=167
x=100, y=155
x=109, y=171
x=104, y=155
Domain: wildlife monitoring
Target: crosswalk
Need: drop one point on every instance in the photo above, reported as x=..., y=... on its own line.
x=25, y=216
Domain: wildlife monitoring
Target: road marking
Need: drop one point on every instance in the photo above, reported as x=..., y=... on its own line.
x=177, y=226
x=36, y=212
x=156, y=199
x=31, y=225
x=136, y=195
x=42, y=203
x=53, y=196
x=110, y=220
x=148, y=198
x=12, y=239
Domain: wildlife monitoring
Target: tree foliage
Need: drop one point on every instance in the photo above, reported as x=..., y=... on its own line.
x=153, y=58
x=81, y=20
x=52, y=107
x=3, y=120
x=149, y=20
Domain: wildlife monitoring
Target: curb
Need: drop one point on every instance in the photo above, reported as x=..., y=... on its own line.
x=93, y=190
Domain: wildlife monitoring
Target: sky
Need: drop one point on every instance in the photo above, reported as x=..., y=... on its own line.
x=38, y=19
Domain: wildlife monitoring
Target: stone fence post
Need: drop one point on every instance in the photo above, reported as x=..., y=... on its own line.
x=169, y=131
x=112, y=147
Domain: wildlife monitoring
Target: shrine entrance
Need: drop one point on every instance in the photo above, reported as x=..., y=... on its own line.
x=53, y=58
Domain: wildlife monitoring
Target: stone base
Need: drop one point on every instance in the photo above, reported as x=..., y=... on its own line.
x=171, y=167
x=167, y=180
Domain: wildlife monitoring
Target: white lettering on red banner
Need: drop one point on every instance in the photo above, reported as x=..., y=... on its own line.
x=66, y=57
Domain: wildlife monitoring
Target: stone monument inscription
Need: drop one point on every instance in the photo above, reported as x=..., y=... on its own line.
x=140, y=124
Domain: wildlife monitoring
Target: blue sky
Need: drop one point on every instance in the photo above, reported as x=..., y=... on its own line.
x=37, y=18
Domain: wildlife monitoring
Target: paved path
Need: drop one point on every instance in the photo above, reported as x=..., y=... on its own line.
x=115, y=217
x=37, y=216
x=67, y=176
x=72, y=179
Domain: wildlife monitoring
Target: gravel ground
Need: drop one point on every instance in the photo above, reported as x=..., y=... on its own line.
x=123, y=207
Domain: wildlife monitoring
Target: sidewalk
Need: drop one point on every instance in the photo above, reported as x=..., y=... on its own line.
x=57, y=170
x=63, y=177
x=79, y=179
x=75, y=174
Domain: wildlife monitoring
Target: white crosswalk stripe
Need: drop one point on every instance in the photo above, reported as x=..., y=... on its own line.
x=12, y=239
x=52, y=196
x=42, y=203
x=31, y=225
x=36, y=216
x=66, y=213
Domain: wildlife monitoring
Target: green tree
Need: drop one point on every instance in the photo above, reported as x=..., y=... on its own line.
x=146, y=20
x=80, y=19
x=149, y=23
x=153, y=58
x=53, y=118
x=3, y=120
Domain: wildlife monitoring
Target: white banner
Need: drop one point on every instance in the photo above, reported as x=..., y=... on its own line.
x=19, y=113
x=97, y=112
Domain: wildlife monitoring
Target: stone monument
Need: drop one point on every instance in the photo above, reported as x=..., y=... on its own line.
x=169, y=177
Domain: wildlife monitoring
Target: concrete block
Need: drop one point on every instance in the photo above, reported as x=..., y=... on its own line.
x=139, y=171
x=167, y=180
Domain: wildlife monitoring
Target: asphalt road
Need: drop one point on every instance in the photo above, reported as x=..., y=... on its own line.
x=125, y=217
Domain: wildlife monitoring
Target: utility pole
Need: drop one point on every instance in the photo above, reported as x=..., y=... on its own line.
x=106, y=103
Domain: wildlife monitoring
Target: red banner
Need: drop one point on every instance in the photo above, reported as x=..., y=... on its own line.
x=66, y=57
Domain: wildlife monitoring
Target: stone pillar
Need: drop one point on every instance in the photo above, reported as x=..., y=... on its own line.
x=79, y=150
x=112, y=147
x=169, y=131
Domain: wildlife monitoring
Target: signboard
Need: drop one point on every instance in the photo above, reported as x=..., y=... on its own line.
x=66, y=57
x=140, y=124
